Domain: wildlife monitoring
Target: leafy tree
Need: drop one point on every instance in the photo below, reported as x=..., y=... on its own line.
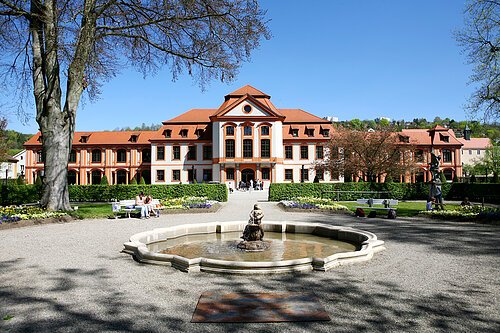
x=82, y=43
x=480, y=39
x=491, y=162
x=369, y=154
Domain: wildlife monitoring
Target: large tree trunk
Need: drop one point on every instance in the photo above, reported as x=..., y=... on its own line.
x=57, y=125
x=56, y=136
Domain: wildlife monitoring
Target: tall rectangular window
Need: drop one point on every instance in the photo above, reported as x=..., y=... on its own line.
x=320, y=174
x=264, y=130
x=176, y=175
x=247, y=148
x=229, y=148
x=319, y=152
x=72, y=156
x=230, y=174
x=289, y=152
x=96, y=156
x=446, y=155
x=304, y=152
x=191, y=155
x=160, y=175
x=160, y=153
x=288, y=174
x=207, y=152
x=121, y=156
x=207, y=175
x=176, y=152
x=265, y=148
x=305, y=174
x=39, y=157
x=266, y=173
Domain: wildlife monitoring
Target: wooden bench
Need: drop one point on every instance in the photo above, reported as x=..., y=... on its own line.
x=387, y=204
x=128, y=207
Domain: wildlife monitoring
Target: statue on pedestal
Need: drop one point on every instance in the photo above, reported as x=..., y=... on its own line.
x=254, y=233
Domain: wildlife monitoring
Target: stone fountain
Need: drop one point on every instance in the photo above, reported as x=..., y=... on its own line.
x=254, y=233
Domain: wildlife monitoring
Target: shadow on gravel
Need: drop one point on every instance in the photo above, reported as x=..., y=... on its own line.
x=461, y=239
x=355, y=305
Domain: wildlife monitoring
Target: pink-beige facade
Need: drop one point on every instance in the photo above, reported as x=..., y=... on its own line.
x=245, y=138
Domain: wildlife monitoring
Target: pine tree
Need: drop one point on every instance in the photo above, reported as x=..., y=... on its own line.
x=104, y=180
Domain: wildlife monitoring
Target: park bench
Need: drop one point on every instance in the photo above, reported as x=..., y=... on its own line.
x=377, y=204
x=128, y=207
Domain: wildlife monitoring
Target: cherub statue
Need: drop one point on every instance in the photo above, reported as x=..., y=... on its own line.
x=434, y=167
x=253, y=230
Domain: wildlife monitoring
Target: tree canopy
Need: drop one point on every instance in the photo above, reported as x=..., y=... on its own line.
x=59, y=49
x=367, y=154
x=480, y=40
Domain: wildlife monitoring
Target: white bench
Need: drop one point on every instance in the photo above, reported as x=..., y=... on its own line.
x=387, y=204
x=129, y=206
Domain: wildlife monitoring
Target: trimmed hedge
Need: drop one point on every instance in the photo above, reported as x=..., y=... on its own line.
x=400, y=191
x=476, y=192
x=22, y=194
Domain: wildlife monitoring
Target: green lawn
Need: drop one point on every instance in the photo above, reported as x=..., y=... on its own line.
x=92, y=211
x=405, y=208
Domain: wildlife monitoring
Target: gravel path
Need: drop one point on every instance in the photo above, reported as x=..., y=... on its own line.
x=72, y=277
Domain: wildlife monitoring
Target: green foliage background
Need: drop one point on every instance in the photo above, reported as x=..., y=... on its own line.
x=22, y=194
x=400, y=191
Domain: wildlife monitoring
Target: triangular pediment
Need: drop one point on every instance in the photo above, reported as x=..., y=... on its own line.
x=246, y=106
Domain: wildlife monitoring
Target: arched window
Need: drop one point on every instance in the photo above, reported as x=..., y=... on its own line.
x=229, y=130
x=96, y=177
x=121, y=177
x=96, y=156
x=229, y=148
x=121, y=156
x=71, y=177
x=247, y=148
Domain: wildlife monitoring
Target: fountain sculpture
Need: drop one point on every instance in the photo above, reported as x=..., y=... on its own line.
x=254, y=233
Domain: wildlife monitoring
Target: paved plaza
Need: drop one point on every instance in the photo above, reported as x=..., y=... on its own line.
x=433, y=277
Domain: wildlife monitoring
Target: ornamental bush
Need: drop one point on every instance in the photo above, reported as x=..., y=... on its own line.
x=104, y=180
x=17, y=195
x=399, y=191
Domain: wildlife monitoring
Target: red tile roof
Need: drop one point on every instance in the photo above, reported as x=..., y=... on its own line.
x=193, y=116
x=423, y=136
x=475, y=143
x=103, y=138
x=301, y=116
x=248, y=89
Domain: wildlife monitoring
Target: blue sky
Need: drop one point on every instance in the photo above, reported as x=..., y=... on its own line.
x=350, y=59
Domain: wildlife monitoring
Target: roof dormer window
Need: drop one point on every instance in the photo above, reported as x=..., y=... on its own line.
x=184, y=133
x=295, y=132
x=167, y=133
x=309, y=131
x=39, y=138
x=199, y=133
x=133, y=138
x=84, y=138
x=404, y=139
x=444, y=138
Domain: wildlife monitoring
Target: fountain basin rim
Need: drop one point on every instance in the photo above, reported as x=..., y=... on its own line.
x=367, y=244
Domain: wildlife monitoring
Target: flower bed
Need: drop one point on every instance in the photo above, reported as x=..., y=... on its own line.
x=10, y=214
x=186, y=203
x=302, y=203
x=465, y=213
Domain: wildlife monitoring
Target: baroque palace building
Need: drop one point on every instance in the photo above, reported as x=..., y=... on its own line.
x=246, y=138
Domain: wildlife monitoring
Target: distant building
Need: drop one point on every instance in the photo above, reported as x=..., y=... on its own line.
x=8, y=169
x=21, y=162
x=332, y=119
x=474, y=149
x=246, y=138
x=440, y=140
